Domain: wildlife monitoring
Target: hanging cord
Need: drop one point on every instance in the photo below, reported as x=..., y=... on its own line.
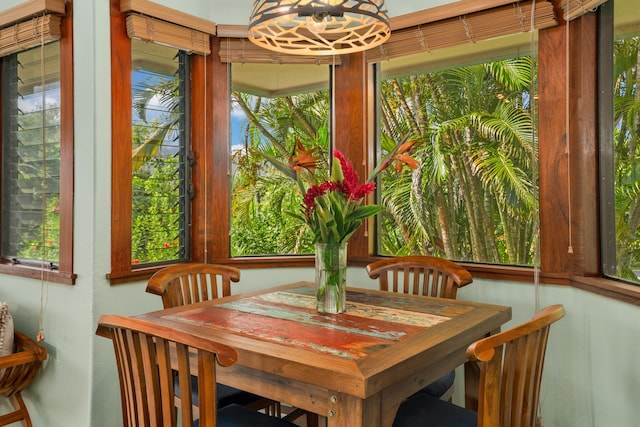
x=568, y=134
x=534, y=162
x=44, y=289
x=535, y=175
x=205, y=163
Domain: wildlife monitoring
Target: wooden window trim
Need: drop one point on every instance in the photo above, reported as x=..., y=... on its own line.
x=564, y=262
x=202, y=81
x=579, y=269
x=64, y=274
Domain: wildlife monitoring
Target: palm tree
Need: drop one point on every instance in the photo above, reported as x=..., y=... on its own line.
x=265, y=202
x=626, y=157
x=472, y=199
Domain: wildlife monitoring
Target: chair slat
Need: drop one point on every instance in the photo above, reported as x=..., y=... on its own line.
x=510, y=365
x=190, y=283
x=420, y=275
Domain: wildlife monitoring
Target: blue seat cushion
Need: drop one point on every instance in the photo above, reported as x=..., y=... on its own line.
x=440, y=386
x=422, y=410
x=236, y=415
x=226, y=395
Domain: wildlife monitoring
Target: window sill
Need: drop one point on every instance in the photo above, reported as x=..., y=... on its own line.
x=614, y=289
x=33, y=272
x=606, y=287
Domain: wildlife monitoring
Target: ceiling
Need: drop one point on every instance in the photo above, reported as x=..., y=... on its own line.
x=237, y=12
x=278, y=80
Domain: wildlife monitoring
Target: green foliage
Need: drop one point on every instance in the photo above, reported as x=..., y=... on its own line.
x=626, y=157
x=266, y=207
x=156, y=213
x=45, y=242
x=473, y=198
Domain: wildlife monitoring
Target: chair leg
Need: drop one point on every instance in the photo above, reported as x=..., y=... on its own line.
x=312, y=419
x=20, y=414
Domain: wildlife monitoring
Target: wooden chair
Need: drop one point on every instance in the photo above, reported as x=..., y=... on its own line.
x=510, y=365
x=17, y=370
x=191, y=283
x=149, y=355
x=423, y=275
x=420, y=275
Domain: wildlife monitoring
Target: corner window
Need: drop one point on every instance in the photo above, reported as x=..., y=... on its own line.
x=473, y=197
x=269, y=117
x=620, y=137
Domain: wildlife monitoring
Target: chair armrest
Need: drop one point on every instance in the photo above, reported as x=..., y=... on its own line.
x=26, y=351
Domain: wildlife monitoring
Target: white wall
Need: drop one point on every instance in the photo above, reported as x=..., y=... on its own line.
x=591, y=378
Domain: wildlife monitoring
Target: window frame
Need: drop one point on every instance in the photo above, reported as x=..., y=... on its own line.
x=569, y=194
x=202, y=112
x=64, y=273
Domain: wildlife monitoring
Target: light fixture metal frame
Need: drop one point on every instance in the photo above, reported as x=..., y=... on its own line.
x=351, y=26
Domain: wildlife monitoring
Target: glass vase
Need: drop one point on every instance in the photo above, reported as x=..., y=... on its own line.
x=331, y=277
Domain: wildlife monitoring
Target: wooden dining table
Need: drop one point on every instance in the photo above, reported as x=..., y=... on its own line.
x=354, y=368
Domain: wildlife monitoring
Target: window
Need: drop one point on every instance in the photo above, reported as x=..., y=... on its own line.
x=161, y=116
x=620, y=159
x=474, y=196
x=36, y=228
x=160, y=154
x=266, y=126
x=31, y=157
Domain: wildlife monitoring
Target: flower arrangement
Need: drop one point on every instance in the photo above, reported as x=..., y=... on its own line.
x=334, y=208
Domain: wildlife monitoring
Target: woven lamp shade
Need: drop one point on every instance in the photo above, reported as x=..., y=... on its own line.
x=318, y=27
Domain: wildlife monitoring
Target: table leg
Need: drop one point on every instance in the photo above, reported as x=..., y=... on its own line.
x=471, y=385
x=350, y=411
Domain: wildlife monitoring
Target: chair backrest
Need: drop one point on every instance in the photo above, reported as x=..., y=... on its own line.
x=511, y=365
x=182, y=284
x=420, y=275
x=148, y=357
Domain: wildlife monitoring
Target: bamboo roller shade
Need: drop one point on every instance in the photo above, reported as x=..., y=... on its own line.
x=470, y=28
x=576, y=8
x=157, y=31
x=30, y=8
x=27, y=34
x=243, y=51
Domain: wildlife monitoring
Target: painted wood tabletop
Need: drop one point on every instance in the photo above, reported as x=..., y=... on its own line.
x=356, y=366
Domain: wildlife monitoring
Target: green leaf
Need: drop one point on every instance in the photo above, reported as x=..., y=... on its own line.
x=363, y=212
x=283, y=167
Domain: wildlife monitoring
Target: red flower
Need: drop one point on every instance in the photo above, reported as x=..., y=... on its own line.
x=349, y=185
x=314, y=191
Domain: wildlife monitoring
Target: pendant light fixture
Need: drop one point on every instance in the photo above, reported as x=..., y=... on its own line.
x=318, y=27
